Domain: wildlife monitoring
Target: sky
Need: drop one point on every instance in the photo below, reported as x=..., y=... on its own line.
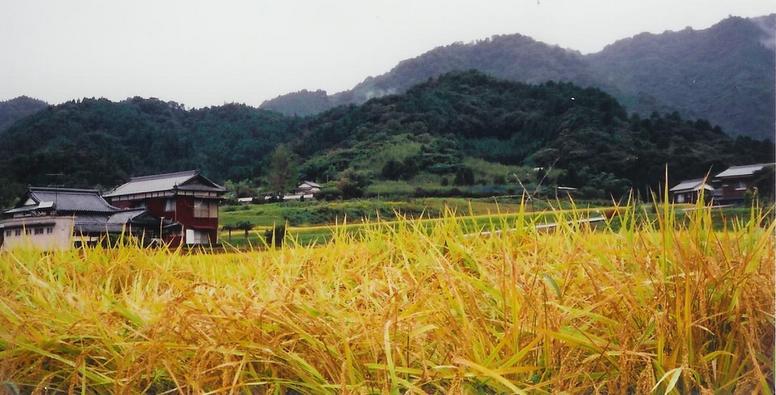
x=203, y=53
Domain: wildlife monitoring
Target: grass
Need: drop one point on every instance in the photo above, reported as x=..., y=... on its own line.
x=660, y=302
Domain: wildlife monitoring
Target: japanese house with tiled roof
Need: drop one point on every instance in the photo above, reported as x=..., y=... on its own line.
x=187, y=198
x=732, y=185
x=60, y=218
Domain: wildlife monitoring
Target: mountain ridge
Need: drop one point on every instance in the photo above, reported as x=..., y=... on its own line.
x=739, y=96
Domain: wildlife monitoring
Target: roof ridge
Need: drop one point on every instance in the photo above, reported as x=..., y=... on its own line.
x=56, y=189
x=164, y=175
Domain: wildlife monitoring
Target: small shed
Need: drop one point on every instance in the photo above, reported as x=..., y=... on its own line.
x=689, y=191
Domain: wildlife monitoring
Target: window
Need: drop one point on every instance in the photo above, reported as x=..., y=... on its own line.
x=49, y=230
x=8, y=233
x=38, y=231
x=169, y=206
x=196, y=237
x=205, y=209
x=28, y=231
x=18, y=232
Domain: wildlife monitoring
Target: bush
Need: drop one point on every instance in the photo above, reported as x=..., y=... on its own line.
x=276, y=235
x=351, y=184
x=329, y=193
x=464, y=176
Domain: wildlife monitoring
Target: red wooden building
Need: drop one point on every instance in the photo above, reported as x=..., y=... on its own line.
x=187, y=198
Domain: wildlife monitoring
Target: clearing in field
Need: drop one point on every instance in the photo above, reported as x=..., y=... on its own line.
x=644, y=303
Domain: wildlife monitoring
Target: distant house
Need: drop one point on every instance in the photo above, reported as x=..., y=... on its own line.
x=307, y=188
x=245, y=200
x=732, y=184
x=688, y=191
x=59, y=218
x=186, y=198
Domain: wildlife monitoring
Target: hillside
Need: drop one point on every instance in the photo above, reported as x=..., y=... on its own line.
x=463, y=132
x=724, y=73
x=95, y=142
x=17, y=108
x=470, y=129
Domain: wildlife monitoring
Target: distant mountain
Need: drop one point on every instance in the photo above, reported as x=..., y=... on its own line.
x=18, y=108
x=724, y=73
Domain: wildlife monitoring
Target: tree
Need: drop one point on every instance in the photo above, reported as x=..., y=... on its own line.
x=351, y=184
x=283, y=171
x=245, y=226
x=464, y=176
x=229, y=228
x=392, y=169
x=276, y=235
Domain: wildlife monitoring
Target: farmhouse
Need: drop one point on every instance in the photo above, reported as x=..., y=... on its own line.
x=60, y=218
x=305, y=190
x=689, y=191
x=186, y=198
x=732, y=184
x=308, y=188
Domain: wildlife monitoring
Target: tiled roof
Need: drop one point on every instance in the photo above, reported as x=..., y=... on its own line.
x=746, y=170
x=67, y=200
x=162, y=182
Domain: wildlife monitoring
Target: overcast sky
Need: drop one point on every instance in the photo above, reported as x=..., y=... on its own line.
x=209, y=52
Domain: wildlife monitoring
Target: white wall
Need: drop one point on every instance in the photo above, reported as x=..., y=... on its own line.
x=60, y=238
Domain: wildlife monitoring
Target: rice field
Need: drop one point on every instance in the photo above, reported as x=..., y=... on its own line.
x=642, y=304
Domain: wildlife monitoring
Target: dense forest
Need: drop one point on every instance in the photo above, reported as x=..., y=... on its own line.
x=463, y=131
x=725, y=73
x=464, y=121
x=97, y=142
x=15, y=109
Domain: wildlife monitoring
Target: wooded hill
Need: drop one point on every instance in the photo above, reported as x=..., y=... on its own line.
x=15, y=109
x=725, y=73
x=461, y=129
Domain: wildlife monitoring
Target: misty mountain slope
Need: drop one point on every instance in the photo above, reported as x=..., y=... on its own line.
x=724, y=73
x=17, y=108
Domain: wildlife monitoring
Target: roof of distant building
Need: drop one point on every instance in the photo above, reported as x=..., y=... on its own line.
x=742, y=171
x=182, y=180
x=310, y=183
x=691, y=185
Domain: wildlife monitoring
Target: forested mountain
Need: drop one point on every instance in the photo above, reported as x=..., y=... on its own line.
x=724, y=73
x=462, y=128
x=466, y=119
x=97, y=142
x=15, y=109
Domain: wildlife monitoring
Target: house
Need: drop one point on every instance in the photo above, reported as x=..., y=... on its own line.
x=732, y=184
x=307, y=188
x=689, y=191
x=187, y=198
x=245, y=200
x=60, y=218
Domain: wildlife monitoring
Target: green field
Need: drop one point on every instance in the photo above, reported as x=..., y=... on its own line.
x=316, y=221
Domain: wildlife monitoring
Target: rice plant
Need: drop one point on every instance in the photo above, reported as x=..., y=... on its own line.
x=641, y=304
